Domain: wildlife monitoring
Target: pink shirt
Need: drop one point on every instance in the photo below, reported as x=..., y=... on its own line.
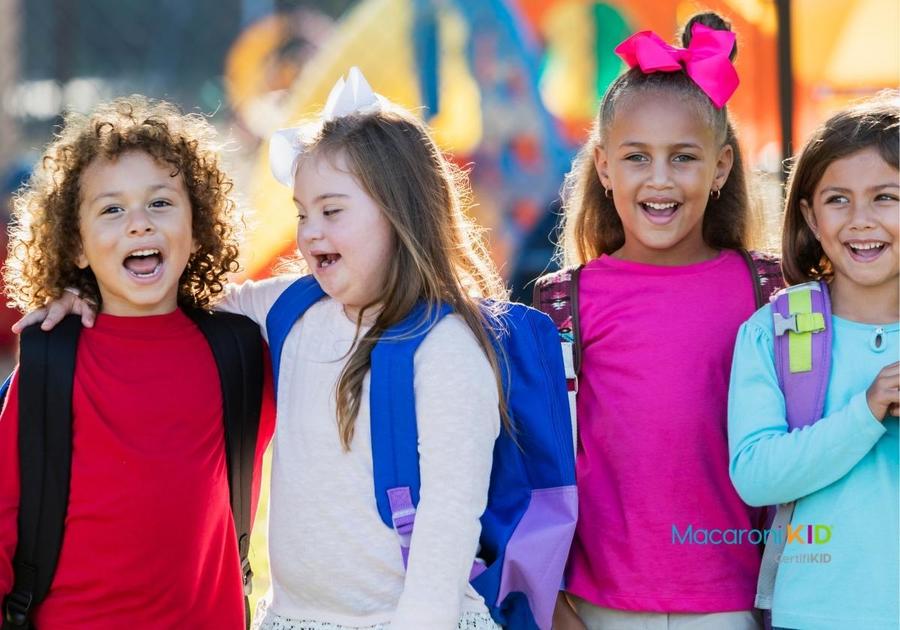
x=653, y=451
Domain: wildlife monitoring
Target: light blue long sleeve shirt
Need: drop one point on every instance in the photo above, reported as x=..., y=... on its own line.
x=842, y=471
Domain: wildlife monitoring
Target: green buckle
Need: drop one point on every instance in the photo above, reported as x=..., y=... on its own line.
x=810, y=322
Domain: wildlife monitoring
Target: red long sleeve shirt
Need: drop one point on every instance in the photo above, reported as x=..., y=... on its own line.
x=149, y=537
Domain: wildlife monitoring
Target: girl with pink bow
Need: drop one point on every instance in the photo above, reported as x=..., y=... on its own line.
x=656, y=225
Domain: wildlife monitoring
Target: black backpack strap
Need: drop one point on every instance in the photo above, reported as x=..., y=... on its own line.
x=237, y=348
x=46, y=374
x=765, y=270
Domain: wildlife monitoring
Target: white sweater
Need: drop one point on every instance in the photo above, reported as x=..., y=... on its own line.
x=332, y=558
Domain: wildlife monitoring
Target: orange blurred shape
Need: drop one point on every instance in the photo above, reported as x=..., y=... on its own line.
x=526, y=214
x=527, y=151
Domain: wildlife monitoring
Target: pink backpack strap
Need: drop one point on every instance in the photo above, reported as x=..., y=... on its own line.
x=766, y=272
x=556, y=294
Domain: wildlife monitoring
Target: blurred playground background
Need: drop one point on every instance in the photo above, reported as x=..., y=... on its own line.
x=510, y=87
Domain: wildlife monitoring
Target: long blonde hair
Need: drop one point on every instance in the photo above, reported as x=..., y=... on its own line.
x=440, y=254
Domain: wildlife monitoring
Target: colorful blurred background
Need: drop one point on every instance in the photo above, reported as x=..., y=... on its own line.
x=510, y=87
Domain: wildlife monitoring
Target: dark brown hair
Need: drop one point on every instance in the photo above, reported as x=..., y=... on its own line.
x=440, y=254
x=874, y=123
x=591, y=225
x=45, y=236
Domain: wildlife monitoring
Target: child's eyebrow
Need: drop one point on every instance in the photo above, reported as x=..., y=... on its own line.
x=677, y=145
x=322, y=197
x=117, y=193
x=841, y=189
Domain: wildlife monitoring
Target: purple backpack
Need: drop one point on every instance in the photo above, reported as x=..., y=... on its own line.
x=801, y=315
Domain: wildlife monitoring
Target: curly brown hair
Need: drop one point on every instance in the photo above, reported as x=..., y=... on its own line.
x=44, y=233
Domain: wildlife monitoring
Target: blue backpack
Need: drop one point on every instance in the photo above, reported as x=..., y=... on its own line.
x=527, y=528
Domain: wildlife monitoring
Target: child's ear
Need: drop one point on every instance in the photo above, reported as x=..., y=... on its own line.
x=601, y=165
x=810, y=217
x=81, y=260
x=195, y=246
x=724, y=162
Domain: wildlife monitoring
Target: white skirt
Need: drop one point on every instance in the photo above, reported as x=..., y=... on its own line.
x=265, y=619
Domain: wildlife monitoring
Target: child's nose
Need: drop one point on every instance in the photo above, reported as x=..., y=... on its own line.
x=309, y=231
x=659, y=173
x=862, y=215
x=139, y=222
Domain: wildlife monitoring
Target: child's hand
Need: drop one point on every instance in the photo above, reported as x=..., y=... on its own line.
x=564, y=616
x=883, y=394
x=56, y=310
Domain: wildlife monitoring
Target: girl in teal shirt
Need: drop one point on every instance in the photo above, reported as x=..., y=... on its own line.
x=842, y=221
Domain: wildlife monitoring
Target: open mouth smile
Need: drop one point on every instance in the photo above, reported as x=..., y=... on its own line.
x=659, y=212
x=144, y=264
x=323, y=261
x=865, y=251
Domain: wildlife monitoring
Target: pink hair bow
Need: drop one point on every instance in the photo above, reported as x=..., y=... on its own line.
x=705, y=60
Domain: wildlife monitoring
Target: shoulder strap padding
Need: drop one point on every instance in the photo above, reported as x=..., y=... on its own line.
x=284, y=313
x=236, y=345
x=46, y=374
x=765, y=269
x=556, y=294
x=804, y=390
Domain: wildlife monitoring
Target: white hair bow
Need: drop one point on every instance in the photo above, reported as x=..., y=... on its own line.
x=353, y=96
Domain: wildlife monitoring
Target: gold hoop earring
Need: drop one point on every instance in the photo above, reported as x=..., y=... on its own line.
x=715, y=193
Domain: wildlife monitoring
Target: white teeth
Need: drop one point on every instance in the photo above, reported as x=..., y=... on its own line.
x=145, y=252
x=866, y=246
x=660, y=206
x=326, y=260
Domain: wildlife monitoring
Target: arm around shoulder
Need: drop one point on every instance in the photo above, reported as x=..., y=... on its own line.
x=253, y=298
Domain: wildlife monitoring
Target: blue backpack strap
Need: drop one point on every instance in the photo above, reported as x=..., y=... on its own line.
x=4, y=389
x=392, y=403
x=287, y=309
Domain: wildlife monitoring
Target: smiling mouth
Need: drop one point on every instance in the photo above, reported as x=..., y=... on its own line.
x=865, y=251
x=324, y=261
x=143, y=263
x=659, y=212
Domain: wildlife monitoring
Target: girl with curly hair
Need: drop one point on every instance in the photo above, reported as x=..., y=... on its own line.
x=130, y=206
